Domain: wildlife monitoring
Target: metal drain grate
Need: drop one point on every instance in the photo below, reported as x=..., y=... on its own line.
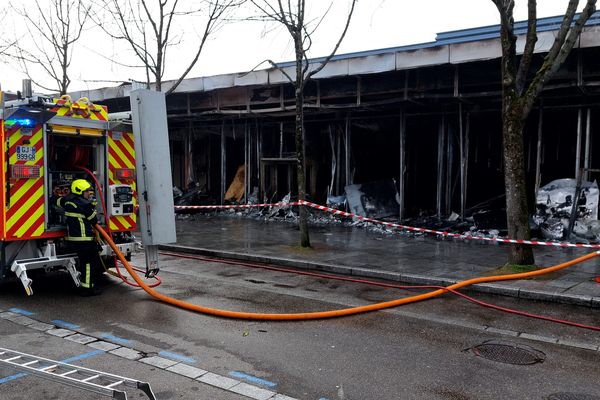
x=509, y=353
x=572, y=396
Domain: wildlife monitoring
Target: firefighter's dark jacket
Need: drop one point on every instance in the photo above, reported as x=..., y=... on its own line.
x=81, y=217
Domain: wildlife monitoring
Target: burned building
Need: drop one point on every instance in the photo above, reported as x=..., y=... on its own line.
x=425, y=117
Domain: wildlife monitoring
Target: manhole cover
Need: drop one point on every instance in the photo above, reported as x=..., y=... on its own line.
x=509, y=353
x=572, y=396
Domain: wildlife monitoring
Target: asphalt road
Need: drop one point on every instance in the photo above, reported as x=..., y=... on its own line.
x=418, y=351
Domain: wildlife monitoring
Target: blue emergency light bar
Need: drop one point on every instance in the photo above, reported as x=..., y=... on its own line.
x=27, y=122
x=27, y=117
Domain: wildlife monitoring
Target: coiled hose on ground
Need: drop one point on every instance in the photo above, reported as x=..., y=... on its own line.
x=331, y=313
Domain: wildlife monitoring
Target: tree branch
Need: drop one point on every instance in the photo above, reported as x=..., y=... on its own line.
x=337, y=45
x=53, y=32
x=552, y=64
x=216, y=12
x=530, y=42
x=563, y=30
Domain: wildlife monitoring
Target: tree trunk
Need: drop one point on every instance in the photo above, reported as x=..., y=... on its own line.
x=517, y=213
x=301, y=175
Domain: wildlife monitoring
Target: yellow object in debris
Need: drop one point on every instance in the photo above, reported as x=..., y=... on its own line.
x=238, y=186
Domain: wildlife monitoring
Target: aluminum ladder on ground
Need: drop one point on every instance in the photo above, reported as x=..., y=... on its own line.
x=72, y=375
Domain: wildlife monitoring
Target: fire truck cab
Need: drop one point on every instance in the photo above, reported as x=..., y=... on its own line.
x=46, y=144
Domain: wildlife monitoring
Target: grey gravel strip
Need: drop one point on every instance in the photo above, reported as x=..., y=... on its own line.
x=23, y=320
x=545, y=339
x=8, y=315
x=187, y=370
x=499, y=331
x=437, y=319
x=60, y=332
x=17, y=318
x=159, y=362
x=81, y=339
x=102, y=345
x=538, y=338
x=252, y=391
x=580, y=345
x=218, y=381
x=282, y=397
x=41, y=326
x=127, y=353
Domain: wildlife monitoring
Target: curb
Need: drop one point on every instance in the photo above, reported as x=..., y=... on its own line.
x=488, y=288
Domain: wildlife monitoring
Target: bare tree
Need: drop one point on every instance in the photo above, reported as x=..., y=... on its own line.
x=519, y=94
x=5, y=44
x=150, y=30
x=294, y=18
x=54, y=26
x=5, y=48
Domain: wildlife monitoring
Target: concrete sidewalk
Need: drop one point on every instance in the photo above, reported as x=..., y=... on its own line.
x=396, y=257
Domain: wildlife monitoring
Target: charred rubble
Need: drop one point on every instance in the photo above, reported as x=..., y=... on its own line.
x=555, y=218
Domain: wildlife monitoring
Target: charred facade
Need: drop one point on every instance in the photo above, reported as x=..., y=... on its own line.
x=426, y=117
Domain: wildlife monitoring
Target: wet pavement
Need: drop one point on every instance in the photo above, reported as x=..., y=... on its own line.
x=415, y=259
x=418, y=351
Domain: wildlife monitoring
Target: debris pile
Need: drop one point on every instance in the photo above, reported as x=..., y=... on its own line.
x=194, y=195
x=373, y=199
x=378, y=200
x=563, y=209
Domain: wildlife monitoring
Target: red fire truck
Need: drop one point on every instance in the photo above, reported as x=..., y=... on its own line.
x=46, y=144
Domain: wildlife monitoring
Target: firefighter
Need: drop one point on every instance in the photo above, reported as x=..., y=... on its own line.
x=81, y=216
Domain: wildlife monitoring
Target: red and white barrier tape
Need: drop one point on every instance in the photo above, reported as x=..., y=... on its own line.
x=294, y=203
x=398, y=226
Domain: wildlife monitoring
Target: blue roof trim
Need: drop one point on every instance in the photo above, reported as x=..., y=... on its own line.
x=543, y=25
x=520, y=27
x=456, y=37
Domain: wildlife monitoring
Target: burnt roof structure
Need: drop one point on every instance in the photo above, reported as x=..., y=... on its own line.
x=426, y=116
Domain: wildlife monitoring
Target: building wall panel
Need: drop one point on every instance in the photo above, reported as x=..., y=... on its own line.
x=372, y=64
x=422, y=57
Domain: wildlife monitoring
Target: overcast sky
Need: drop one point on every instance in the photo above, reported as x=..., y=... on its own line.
x=241, y=46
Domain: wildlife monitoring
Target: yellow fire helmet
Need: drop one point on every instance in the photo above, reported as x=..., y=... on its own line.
x=79, y=186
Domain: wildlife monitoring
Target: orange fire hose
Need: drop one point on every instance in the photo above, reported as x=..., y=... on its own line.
x=332, y=313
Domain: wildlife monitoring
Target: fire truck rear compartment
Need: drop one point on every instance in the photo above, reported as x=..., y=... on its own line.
x=68, y=159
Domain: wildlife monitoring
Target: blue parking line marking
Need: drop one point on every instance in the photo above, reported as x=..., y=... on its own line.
x=13, y=377
x=66, y=360
x=115, y=339
x=177, y=357
x=253, y=379
x=83, y=356
x=65, y=324
x=21, y=311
